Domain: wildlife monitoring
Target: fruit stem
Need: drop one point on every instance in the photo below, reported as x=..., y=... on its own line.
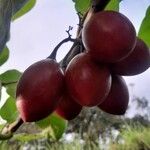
x=8, y=130
x=97, y=5
x=68, y=39
x=76, y=48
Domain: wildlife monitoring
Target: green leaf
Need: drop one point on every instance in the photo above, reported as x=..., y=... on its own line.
x=144, y=32
x=11, y=89
x=5, y=18
x=0, y=89
x=26, y=8
x=10, y=76
x=9, y=111
x=4, y=56
x=9, y=81
x=54, y=124
x=113, y=5
x=17, y=5
x=7, y=9
x=82, y=6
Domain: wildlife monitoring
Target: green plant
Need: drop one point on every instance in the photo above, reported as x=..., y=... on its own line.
x=134, y=138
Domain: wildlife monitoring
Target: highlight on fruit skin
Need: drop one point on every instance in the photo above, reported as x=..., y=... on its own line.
x=87, y=82
x=108, y=36
x=39, y=90
x=117, y=101
x=137, y=62
x=68, y=108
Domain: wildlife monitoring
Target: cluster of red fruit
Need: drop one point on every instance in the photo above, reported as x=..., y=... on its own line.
x=92, y=78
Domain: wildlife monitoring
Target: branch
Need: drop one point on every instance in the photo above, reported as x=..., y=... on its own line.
x=80, y=25
x=8, y=130
x=97, y=5
x=68, y=31
x=68, y=39
x=75, y=49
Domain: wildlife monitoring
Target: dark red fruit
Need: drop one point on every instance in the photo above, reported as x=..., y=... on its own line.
x=87, y=83
x=116, y=102
x=109, y=36
x=68, y=108
x=39, y=90
x=137, y=62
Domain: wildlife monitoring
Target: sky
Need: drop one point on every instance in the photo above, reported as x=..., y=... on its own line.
x=35, y=35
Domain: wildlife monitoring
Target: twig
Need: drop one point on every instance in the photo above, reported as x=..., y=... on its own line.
x=68, y=31
x=68, y=39
x=76, y=49
x=80, y=16
x=97, y=5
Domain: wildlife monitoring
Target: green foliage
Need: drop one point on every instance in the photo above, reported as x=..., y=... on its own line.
x=7, y=10
x=10, y=76
x=4, y=146
x=22, y=137
x=9, y=81
x=82, y=6
x=113, y=5
x=74, y=145
x=32, y=143
x=17, y=5
x=27, y=7
x=9, y=111
x=54, y=124
x=0, y=89
x=135, y=138
x=144, y=32
x=5, y=17
x=4, y=55
x=11, y=89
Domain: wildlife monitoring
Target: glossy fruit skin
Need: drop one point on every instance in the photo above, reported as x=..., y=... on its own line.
x=68, y=108
x=87, y=82
x=109, y=36
x=39, y=90
x=137, y=62
x=117, y=101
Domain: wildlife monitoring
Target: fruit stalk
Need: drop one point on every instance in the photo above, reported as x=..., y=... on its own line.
x=99, y=5
x=68, y=39
x=8, y=130
x=96, y=6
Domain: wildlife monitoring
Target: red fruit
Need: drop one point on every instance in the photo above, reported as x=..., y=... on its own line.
x=68, y=108
x=87, y=83
x=117, y=101
x=39, y=90
x=109, y=36
x=137, y=62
